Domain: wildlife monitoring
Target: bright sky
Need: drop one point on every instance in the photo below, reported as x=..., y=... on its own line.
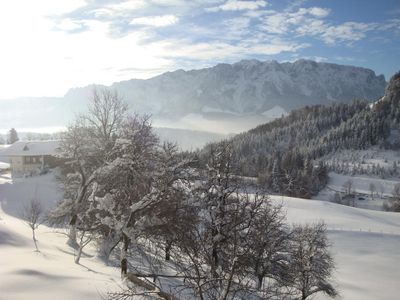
x=49, y=46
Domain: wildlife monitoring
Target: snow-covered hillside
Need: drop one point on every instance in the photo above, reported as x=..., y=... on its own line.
x=50, y=273
x=364, y=243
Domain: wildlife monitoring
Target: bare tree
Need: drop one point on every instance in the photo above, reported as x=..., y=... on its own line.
x=372, y=189
x=311, y=263
x=381, y=189
x=394, y=201
x=126, y=196
x=269, y=244
x=227, y=243
x=172, y=182
x=84, y=239
x=32, y=215
x=348, y=187
x=224, y=251
x=195, y=255
x=85, y=147
x=336, y=198
x=82, y=159
x=106, y=112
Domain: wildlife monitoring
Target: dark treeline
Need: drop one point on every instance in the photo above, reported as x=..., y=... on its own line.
x=286, y=154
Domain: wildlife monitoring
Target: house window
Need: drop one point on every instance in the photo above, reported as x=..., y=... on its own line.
x=32, y=160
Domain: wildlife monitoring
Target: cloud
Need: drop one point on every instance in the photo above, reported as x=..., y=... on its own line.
x=314, y=58
x=156, y=21
x=128, y=5
x=114, y=10
x=312, y=22
x=207, y=51
x=392, y=25
x=46, y=62
x=284, y=22
x=70, y=25
x=345, y=59
x=52, y=45
x=236, y=5
x=318, y=12
x=333, y=34
x=346, y=32
x=234, y=29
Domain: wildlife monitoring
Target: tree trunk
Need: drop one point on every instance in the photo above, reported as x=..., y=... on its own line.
x=106, y=246
x=124, y=254
x=168, y=251
x=226, y=289
x=34, y=240
x=260, y=281
x=72, y=242
x=78, y=256
x=303, y=294
x=215, y=261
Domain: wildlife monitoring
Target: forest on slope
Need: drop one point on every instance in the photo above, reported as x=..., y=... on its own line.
x=287, y=154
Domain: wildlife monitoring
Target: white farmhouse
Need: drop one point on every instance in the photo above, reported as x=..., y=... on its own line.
x=31, y=157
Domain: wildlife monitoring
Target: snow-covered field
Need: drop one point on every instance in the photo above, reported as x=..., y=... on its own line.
x=365, y=245
x=50, y=273
x=361, y=186
x=17, y=192
x=361, y=183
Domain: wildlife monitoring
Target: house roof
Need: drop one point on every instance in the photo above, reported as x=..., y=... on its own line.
x=31, y=148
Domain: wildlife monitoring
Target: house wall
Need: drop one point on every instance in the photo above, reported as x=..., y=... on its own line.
x=20, y=168
x=17, y=164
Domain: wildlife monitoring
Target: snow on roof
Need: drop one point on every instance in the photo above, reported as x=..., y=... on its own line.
x=31, y=148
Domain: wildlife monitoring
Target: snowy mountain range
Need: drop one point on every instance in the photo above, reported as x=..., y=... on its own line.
x=225, y=98
x=247, y=87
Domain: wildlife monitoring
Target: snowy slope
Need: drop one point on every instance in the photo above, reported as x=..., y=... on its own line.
x=50, y=274
x=17, y=192
x=365, y=247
